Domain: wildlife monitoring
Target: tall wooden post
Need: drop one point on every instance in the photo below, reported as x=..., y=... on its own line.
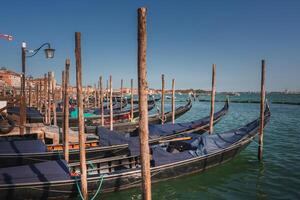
x=66, y=111
x=53, y=99
x=162, y=98
x=40, y=96
x=23, y=93
x=45, y=98
x=95, y=96
x=262, y=109
x=212, y=102
x=173, y=101
x=37, y=95
x=63, y=75
x=107, y=100
x=121, y=94
x=30, y=94
x=111, y=103
x=143, y=104
x=101, y=101
x=49, y=98
x=131, y=101
x=80, y=116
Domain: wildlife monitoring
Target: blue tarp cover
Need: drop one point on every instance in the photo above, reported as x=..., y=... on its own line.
x=31, y=113
x=22, y=146
x=206, y=144
x=108, y=137
x=35, y=173
x=157, y=130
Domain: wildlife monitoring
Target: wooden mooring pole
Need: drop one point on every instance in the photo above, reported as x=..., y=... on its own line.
x=107, y=100
x=212, y=102
x=262, y=109
x=40, y=96
x=111, y=114
x=131, y=101
x=30, y=94
x=66, y=111
x=80, y=116
x=23, y=93
x=45, y=98
x=53, y=99
x=121, y=104
x=162, y=110
x=37, y=95
x=101, y=101
x=95, y=96
x=173, y=101
x=49, y=98
x=143, y=104
x=63, y=75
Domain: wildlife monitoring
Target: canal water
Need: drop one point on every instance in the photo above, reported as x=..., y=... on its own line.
x=276, y=177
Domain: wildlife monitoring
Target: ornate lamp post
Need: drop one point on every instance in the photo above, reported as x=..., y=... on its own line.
x=49, y=53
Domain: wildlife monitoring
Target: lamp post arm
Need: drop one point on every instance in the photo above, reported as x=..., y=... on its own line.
x=38, y=49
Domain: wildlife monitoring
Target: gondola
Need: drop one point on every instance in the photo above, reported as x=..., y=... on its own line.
x=131, y=126
x=56, y=179
x=118, y=116
x=110, y=143
x=136, y=101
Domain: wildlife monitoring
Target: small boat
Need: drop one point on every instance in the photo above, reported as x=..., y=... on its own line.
x=110, y=143
x=57, y=179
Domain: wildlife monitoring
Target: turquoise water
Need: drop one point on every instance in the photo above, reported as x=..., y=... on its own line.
x=277, y=177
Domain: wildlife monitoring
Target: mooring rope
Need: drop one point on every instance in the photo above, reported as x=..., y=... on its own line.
x=101, y=177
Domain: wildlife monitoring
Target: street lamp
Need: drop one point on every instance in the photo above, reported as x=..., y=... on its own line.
x=49, y=53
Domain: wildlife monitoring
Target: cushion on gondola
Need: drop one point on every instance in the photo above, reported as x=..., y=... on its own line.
x=35, y=173
x=22, y=146
x=162, y=157
x=108, y=137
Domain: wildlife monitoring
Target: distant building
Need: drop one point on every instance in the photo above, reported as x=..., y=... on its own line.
x=9, y=78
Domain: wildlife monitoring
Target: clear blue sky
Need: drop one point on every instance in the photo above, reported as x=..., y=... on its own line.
x=184, y=39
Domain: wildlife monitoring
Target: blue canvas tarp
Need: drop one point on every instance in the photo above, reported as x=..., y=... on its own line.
x=22, y=146
x=35, y=173
x=31, y=113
